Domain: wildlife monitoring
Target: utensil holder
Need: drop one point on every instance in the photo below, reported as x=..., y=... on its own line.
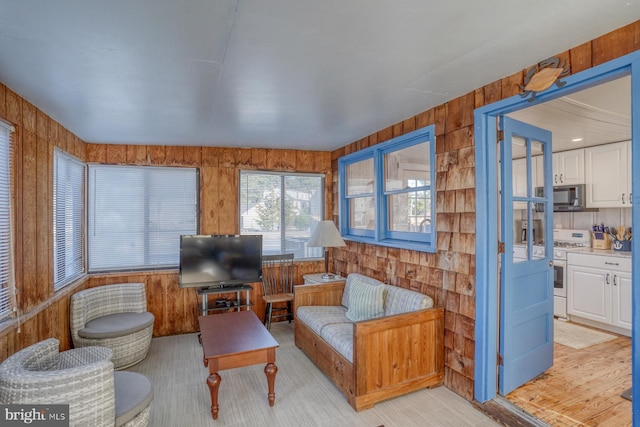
x=604, y=243
x=622, y=245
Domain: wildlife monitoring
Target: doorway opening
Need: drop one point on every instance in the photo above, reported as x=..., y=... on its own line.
x=487, y=274
x=591, y=361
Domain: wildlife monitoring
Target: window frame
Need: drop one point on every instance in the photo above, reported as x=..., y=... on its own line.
x=69, y=276
x=381, y=234
x=283, y=177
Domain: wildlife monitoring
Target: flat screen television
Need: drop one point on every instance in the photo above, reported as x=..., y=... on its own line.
x=219, y=261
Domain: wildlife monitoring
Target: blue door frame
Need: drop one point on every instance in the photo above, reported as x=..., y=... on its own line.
x=486, y=344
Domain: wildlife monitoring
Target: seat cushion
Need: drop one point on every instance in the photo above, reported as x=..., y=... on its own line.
x=134, y=392
x=340, y=337
x=116, y=325
x=317, y=317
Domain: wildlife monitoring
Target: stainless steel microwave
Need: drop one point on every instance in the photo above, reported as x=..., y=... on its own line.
x=566, y=198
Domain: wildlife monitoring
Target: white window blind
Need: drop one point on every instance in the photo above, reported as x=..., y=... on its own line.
x=137, y=214
x=68, y=219
x=7, y=284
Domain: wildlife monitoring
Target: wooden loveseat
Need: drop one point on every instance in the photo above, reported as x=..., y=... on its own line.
x=371, y=360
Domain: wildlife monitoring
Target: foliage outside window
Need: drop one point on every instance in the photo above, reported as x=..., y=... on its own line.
x=7, y=280
x=137, y=215
x=68, y=219
x=387, y=192
x=283, y=208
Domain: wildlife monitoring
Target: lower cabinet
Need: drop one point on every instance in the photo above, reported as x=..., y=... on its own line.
x=599, y=290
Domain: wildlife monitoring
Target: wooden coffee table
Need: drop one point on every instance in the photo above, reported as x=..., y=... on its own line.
x=232, y=340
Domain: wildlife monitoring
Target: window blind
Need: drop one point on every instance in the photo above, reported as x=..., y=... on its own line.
x=137, y=214
x=68, y=218
x=7, y=283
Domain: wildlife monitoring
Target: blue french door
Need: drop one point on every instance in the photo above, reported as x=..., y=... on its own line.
x=526, y=284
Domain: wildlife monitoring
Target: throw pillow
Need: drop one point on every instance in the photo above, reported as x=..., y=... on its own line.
x=366, y=301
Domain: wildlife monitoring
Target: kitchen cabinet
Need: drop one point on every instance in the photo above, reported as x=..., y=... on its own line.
x=599, y=291
x=608, y=175
x=568, y=167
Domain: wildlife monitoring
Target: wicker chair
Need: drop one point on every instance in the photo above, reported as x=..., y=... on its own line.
x=277, y=286
x=83, y=378
x=116, y=317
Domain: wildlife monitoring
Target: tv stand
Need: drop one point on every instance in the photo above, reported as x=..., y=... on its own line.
x=205, y=292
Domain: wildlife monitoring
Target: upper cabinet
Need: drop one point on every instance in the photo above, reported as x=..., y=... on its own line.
x=568, y=167
x=608, y=175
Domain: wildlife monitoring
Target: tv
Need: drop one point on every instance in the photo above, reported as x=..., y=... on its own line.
x=220, y=261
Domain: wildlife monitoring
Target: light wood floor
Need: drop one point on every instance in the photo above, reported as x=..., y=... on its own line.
x=304, y=395
x=582, y=388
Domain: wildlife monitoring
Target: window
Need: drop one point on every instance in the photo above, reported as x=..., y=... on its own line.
x=137, y=215
x=68, y=219
x=386, y=192
x=7, y=284
x=285, y=226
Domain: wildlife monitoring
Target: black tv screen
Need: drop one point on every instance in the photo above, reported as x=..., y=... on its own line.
x=220, y=260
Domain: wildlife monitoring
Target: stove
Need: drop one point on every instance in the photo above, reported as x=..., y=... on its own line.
x=565, y=240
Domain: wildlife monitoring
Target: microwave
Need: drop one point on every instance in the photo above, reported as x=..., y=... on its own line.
x=566, y=198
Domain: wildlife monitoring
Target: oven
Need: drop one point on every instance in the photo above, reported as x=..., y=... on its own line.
x=560, y=286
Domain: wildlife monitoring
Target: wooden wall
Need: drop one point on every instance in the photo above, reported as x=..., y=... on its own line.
x=176, y=309
x=448, y=275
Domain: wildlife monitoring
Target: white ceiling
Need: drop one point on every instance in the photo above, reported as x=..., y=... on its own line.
x=595, y=116
x=305, y=74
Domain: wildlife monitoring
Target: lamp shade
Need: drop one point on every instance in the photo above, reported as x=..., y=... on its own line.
x=325, y=235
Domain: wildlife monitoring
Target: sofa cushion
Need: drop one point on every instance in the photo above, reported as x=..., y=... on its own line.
x=355, y=279
x=317, y=317
x=366, y=301
x=399, y=300
x=116, y=325
x=340, y=337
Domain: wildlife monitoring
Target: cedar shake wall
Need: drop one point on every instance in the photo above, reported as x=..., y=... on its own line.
x=448, y=275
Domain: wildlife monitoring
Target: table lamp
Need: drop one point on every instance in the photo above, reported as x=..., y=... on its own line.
x=326, y=235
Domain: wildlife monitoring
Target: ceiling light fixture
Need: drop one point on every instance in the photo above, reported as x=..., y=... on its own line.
x=577, y=140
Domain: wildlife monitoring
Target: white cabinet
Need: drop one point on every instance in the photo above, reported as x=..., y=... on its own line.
x=599, y=290
x=608, y=175
x=568, y=167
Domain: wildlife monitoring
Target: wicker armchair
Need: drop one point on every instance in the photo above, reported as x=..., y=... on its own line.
x=83, y=378
x=116, y=317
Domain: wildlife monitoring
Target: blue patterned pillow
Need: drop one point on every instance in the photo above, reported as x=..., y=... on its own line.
x=366, y=301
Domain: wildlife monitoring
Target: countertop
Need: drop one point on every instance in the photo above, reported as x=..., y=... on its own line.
x=606, y=252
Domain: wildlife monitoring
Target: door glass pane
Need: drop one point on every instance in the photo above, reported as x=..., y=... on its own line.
x=537, y=165
x=519, y=226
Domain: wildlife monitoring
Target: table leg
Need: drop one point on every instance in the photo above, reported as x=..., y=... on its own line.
x=270, y=371
x=213, y=381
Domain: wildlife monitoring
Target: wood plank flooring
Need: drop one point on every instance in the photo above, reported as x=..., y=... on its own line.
x=582, y=388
